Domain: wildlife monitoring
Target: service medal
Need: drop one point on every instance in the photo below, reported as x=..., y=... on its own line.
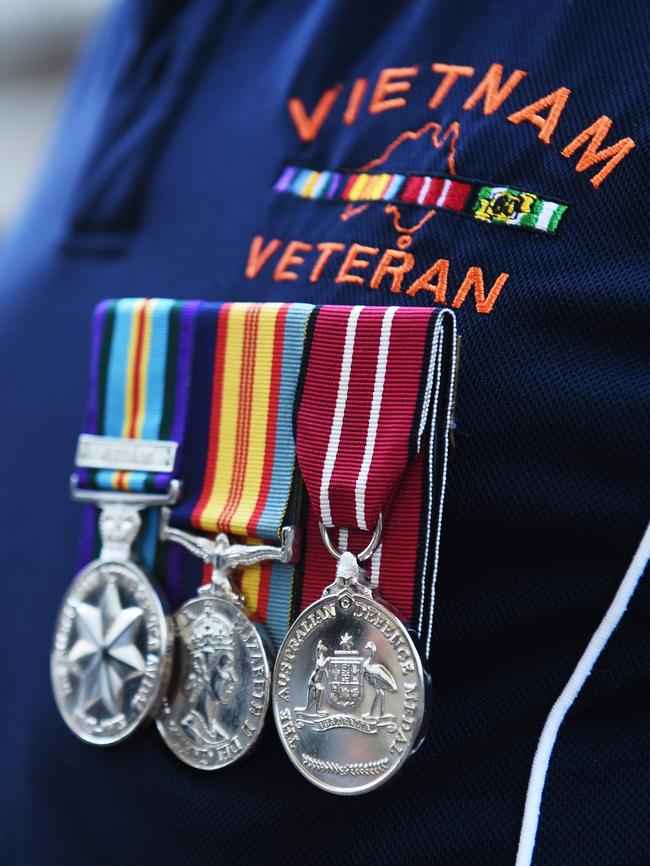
x=349, y=689
x=110, y=660
x=217, y=703
x=217, y=706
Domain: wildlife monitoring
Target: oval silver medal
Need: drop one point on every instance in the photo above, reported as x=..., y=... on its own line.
x=349, y=690
x=221, y=684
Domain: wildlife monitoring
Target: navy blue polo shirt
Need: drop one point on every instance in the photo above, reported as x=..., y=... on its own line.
x=520, y=134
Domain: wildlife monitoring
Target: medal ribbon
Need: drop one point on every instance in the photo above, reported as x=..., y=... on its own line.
x=240, y=477
x=378, y=388
x=140, y=374
x=139, y=387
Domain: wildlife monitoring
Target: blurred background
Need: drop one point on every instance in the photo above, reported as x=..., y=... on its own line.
x=39, y=40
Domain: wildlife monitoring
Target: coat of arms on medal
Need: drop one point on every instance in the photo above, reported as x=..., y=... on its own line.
x=338, y=682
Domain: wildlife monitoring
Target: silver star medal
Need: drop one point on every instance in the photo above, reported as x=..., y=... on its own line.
x=349, y=690
x=110, y=659
x=215, y=710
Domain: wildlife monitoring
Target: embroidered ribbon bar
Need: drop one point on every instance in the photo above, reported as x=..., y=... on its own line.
x=139, y=388
x=240, y=477
x=495, y=204
x=378, y=388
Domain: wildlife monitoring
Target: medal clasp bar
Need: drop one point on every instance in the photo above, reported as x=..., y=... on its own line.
x=113, y=452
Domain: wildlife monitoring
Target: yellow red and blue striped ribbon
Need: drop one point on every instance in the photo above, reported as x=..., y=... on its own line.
x=240, y=476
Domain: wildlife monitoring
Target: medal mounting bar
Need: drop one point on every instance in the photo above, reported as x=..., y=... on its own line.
x=224, y=556
x=137, y=498
x=119, y=519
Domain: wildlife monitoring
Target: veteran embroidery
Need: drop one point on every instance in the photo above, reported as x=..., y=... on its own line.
x=372, y=268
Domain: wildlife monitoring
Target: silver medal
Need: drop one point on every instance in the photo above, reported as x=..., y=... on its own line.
x=217, y=703
x=110, y=659
x=349, y=690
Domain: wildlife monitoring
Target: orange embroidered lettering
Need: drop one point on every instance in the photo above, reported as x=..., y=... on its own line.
x=555, y=102
x=288, y=258
x=259, y=255
x=439, y=269
x=387, y=85
x=595, y=135
x=492, y=91
x=387, y=268
x=309, y=127
x=354, y=102
x=474, y=280
x=392, y=263
x=326, y=248
x=351, y=261
x=450, y=74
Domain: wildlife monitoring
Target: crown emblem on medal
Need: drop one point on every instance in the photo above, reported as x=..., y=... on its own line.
x=210, y=631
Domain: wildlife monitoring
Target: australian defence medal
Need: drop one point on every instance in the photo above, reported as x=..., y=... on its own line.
x=349, y=690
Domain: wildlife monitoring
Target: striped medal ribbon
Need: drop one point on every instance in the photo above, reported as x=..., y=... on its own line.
x=350, y=692
x=240, y=509
x=111, y=652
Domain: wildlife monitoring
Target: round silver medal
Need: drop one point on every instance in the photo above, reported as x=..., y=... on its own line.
x=221, y=684
x=110, y=660
x=349, y=690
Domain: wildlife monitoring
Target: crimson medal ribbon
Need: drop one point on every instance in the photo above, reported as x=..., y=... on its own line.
x=372, y=439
